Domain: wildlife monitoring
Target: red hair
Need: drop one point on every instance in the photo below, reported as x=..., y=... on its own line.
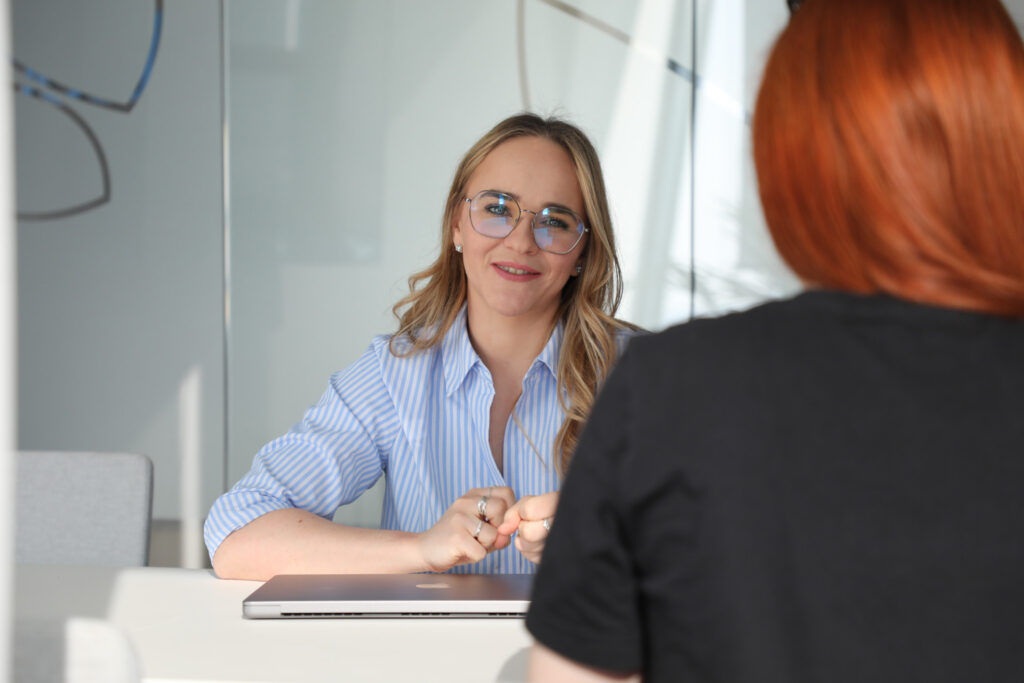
x=888, y=138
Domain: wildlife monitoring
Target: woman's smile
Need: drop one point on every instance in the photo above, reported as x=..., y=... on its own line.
x=515, y=272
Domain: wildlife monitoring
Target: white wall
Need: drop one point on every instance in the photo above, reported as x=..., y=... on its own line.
x=120, y=324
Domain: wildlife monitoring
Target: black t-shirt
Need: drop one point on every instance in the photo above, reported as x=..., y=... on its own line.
x=829, y=488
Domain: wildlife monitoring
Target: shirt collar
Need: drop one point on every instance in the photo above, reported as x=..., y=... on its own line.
x=549, y=354
x=457, y=353
x=459, y=356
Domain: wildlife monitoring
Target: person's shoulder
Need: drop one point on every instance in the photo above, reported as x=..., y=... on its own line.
x=623, y=333
x=401, y=350
x=384, y=351
x=388, y=361
x=369, y=362
x=735, y=325
x=747, y=337
x=382, y=344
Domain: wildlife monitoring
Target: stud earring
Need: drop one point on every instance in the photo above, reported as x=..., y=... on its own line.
x=458, y=248
x=579, y=269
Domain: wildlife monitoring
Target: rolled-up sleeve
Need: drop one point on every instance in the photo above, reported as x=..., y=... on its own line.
x=335, y=453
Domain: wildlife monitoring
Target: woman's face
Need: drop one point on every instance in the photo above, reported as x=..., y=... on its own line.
x=512, y=276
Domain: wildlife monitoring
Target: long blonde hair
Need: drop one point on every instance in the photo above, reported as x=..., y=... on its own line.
x=589, y=301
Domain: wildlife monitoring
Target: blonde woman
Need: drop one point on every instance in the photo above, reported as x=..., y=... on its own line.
x=471, y=410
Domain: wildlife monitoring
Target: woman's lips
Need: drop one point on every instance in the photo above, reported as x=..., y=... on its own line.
x=515, y=272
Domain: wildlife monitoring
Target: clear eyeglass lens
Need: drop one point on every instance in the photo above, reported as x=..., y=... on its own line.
x=557, y=230
x=494, y=214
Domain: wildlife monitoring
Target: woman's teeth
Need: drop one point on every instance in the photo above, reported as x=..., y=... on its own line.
x=516, y=271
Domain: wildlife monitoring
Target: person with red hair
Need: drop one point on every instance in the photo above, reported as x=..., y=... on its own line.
x=830, y=487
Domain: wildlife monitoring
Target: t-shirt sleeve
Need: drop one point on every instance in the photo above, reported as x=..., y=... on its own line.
x=584, y=603
x=335, y=453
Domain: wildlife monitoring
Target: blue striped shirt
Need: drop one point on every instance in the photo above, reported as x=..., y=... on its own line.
x=422, y=422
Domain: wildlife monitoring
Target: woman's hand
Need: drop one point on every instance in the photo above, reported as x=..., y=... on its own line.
x=464, y=535
x=532, y=517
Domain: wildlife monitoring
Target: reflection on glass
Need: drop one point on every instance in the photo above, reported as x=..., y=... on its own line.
x=341, y=116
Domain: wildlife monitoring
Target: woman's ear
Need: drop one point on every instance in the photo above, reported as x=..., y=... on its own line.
x=456, y=233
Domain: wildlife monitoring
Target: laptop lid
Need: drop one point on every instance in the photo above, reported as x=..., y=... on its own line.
x=311, y=596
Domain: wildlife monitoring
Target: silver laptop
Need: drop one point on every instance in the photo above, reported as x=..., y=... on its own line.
x=313, y=596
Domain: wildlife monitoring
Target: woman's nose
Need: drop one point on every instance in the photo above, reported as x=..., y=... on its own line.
x=521, y=238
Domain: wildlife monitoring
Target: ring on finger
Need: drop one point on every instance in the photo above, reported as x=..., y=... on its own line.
x=479, y=528
x=547, y=524
x=481, y=507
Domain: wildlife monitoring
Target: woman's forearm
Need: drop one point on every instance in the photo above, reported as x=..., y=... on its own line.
x=295, y=541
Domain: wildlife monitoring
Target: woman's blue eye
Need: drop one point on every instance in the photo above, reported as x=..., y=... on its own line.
x=497, y=209
x=553, y=223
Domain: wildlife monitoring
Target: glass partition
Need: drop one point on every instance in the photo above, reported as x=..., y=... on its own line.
x=341, y=116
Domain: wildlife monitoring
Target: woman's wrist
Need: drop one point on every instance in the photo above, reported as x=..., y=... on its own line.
x=410, y=546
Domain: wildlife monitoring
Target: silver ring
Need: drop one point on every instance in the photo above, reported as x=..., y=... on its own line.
x=481, y=507
x=547, y=524
x=479, y=528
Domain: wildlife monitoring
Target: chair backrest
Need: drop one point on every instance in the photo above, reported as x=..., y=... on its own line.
x=83, y=508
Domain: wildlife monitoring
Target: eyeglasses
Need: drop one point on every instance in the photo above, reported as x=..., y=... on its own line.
x=495, y=214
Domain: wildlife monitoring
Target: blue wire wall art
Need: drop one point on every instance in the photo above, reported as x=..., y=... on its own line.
x=31, y=83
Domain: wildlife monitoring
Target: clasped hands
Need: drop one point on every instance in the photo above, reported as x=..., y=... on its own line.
x=484, y=520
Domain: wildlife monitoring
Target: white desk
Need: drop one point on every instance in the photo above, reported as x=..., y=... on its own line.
x=187, y=625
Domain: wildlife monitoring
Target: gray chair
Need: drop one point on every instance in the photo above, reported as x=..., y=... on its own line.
x=83, y=508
